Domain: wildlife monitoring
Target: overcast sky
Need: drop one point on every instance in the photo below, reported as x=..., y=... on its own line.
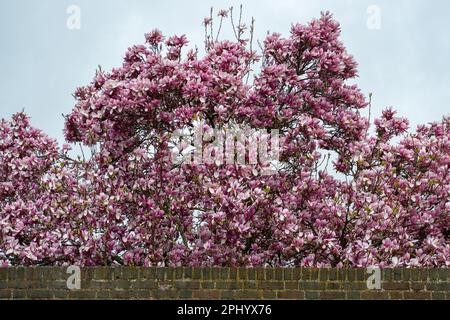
x=405, y=63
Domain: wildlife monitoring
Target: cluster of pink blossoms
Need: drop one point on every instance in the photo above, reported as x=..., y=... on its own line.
x=379, y=203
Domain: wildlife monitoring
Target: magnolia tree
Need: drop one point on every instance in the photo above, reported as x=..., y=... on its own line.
x=132, y=202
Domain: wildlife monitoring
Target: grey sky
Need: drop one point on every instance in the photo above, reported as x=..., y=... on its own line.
x=405, y=63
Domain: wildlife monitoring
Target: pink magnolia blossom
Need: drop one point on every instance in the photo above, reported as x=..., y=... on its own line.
x=129, y=204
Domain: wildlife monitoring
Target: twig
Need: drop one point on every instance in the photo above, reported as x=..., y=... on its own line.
x=232, y=23
x=220, y=28
x=370, y=111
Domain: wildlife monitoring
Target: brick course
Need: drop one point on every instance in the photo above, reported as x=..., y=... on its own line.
x=222, y=283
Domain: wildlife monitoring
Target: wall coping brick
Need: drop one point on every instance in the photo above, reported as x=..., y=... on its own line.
x=222, y=283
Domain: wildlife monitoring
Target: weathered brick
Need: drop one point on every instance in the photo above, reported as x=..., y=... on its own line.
x=170, y=274
x=332, y=295
x=61, y=294
x=250, y=284
x=270, y=274
x=207, y=294
x=251, y=274
x=227, y=294
x=288, y=274
x=415, y=274
x=178, y=273
x=351, y=275
x=229, y=285
x=39, y=294
x=314, y=274
x=438, y=286
x=31, y=273
x=215, y=273
x=279, y=274
x=130, y=273
x=186, y=284
x=116, y=273
x=353, y=295
x=260, y=274
x=341, y=274
x=37, y=284
x=207, y=284
x=243, y=273
x=19, y=294
x=387, y=275
x=87, y=274
x=291, y=294
x=396, y=295
x=22, y=284
x=374, y=295
x=443, y=274
x=166, y=294
x=196, y=273
x=306, y=274
x=396, y=286
x=206, y=274
x=271, y=285
x=398, y=275
x=224, y=273
x=361, y=274
x=160, y=273
x=187, y=273
x=312, y=285
x=5, y=294
x=334, y=285
x=312, y=295
x=417, y=286
x=424, y=274
x=438, y=295
x=297, y=274
x=268, y=294
x=247, y=294
x=433, y=274
x=102, y=294
x=4, y=284
x=323, y=274
x=46, y=273
x=143, y=284
x=150, y=274
x=141, y=294
x=332, y=274
x=417, y=295
x=3, y=274
x=224, y=283
x=291, y=285
x=121, y=283
x=185, y=294
x=62, y=284
x=113, y=294
x=98, y=284
x=102, y=273
x=18, y=273
x=233, y=274
x=406, y=274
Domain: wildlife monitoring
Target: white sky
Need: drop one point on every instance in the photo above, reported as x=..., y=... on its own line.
x=405, y=63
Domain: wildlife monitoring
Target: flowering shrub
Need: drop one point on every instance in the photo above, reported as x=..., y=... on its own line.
x=379, y=203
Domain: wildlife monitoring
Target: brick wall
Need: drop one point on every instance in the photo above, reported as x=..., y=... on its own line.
x=222, y=283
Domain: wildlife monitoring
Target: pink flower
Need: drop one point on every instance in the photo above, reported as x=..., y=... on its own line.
x=154, y=37
x=223, y=13
x=384, y=201
x=207, y=21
